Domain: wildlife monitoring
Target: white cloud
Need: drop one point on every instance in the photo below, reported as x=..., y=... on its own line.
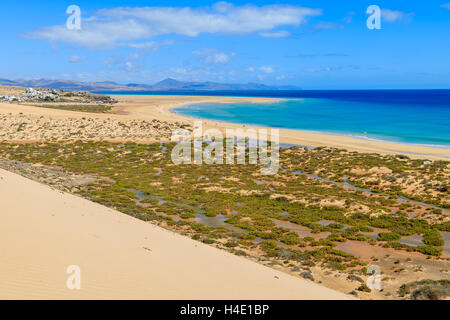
x=396, y=16
x=150, y=46
x=275, y=34
x=447, y=6
x=83, y=75
x=349, y=17
x=110, y=27
x=251, y=69
x=191, y=74
x=130, y=63
x=313, y=70
x=218, y=58
x=213, y=56
x=328, y=26
x=323, y=69
x=267, y=69
x=74, y=59
x=223, y=6
x=332, y=68
x=318, y=55
x=129, y=66
x=182, y=71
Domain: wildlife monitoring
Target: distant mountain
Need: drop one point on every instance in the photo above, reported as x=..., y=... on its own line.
x=5, y=82
x=65, y=84
x=167, y=84
x=172, y=84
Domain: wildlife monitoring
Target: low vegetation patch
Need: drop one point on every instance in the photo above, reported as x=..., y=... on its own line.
x=426, y=290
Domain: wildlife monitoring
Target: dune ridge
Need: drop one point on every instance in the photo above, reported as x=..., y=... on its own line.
x=43, y=231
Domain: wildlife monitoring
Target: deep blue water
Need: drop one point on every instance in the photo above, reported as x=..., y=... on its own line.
x=411, y=116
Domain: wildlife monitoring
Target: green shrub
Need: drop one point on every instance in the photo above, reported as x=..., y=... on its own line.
x=270, y=248
x=433, y=238
x=291, y=238
x=389, y=236
x=426, y=289
x=364, y=288
x=231, y=244
x=430, y=250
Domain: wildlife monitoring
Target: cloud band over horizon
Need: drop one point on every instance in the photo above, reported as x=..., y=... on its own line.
x=109, y=28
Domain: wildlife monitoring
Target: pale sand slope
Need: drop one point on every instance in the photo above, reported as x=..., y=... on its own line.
x=43, y=231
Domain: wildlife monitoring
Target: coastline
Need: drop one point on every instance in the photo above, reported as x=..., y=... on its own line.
x=148, y=108
x=338, y=134
x=72, y=213
x=163, y=107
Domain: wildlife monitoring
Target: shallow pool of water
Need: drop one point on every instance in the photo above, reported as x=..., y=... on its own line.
x=413, y=241
x=446, y=237
x=216, y=222
x=300, y=230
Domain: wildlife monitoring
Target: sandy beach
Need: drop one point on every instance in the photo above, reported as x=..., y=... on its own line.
x=161, y=107
x=148, y=108
x=120, y=257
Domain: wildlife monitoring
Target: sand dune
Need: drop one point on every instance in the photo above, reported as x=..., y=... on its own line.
x=43, y=231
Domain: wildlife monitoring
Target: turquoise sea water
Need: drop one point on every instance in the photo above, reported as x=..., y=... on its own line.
x=425, y=123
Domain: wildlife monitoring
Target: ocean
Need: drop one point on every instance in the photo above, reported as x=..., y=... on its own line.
x=406, y=116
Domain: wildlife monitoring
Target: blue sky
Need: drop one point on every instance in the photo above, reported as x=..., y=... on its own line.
x=312, y=44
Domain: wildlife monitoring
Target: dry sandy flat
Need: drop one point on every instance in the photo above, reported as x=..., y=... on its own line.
x=11, y=91
x=43, y=231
